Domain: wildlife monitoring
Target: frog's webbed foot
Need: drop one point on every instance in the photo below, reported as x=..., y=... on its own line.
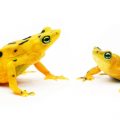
x=25, y=93
x=85, y=78
x=53, y=77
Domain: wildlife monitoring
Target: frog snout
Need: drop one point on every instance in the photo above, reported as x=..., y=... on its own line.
x=57, y=32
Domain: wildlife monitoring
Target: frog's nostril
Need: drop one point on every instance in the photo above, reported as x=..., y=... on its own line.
x=97, y=51
x=57, y=32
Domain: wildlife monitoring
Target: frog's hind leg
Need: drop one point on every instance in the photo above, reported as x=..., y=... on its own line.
x=11, y=75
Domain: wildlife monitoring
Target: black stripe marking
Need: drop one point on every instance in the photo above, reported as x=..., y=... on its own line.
x=13, y=75
x=1, y=54
x=27, y=38
x=23, y=42
x=11, y=43
x=15, y=50
x=42, y=31
x=15, y=60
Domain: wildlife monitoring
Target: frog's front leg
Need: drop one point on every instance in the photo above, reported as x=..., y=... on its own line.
x=47, y=73
x=90, y=73
x=11, y=75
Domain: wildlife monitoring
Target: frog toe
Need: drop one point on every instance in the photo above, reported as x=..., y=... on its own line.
x=85, y=78
x=82, y=78
x=24, y=93
x=52, y=77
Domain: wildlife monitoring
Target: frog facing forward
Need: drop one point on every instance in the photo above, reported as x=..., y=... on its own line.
x=107, y=62
x=17, y=56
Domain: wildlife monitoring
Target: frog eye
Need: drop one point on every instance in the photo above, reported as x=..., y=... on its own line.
x=46, y=39
x=42, y=31
x=107, y=55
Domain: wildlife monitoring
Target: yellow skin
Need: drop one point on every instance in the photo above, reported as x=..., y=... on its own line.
x=17, y=56
x=107, y=62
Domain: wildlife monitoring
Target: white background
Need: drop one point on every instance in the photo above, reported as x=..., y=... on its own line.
x=84, y=24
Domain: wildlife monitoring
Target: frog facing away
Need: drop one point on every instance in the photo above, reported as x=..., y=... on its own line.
x=107, y=62
x=17, y=56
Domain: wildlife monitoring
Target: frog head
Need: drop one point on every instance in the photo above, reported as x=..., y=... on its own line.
x=47, y=37
x=103, y=58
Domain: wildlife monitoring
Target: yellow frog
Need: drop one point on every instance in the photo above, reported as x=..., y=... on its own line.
x=17, y=56
x=107, y=62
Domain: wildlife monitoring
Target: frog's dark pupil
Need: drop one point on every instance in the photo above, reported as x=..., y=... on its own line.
x=46, y=39
x=107, y=55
